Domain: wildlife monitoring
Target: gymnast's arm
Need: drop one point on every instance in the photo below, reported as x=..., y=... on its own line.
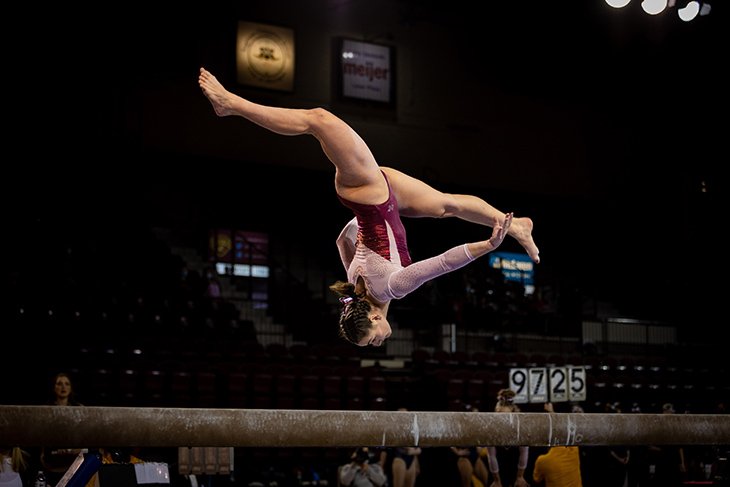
x=408, y=279
x=346, y=243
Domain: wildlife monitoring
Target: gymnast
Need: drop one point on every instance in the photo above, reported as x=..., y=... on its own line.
x=373, y=245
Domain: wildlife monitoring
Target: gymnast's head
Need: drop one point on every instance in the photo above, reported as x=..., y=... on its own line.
x=361, y=322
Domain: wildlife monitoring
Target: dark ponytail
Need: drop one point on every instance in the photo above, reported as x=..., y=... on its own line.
x=354, y=321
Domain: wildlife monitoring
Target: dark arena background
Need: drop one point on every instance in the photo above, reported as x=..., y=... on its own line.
x=165, y=257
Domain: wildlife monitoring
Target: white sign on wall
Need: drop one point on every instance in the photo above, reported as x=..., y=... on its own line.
x=366, y=71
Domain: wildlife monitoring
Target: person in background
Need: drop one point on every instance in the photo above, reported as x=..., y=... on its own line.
x=560, y=466
x=470, y=463
x=510, y=455
x=668, y=461
x=212, y=284
x=13, y=465
x=616, y=457
x=405, y=466
x=63, y=391
x=55, y=462
x=360, y=472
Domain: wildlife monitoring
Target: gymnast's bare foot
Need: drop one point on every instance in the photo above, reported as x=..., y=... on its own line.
x=218, y=96
x=521, y=230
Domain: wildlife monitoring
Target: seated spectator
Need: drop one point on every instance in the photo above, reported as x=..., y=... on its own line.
x=360, y=472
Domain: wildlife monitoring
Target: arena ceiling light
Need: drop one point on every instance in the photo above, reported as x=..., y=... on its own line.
x=654, y=7
x=618, y=3
x=687, y=10
x=690, y=10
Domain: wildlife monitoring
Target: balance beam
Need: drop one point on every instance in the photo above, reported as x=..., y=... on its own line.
x=81, y=426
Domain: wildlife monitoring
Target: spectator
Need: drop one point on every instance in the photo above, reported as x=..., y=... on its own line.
x=360, y=472
x=55, y=462
x=559, y=467
x=213, y=285
x=668, y=461
x=63, y=391
x=470, y=465
x=510, y=455
x=405, y=466
x=13, y=465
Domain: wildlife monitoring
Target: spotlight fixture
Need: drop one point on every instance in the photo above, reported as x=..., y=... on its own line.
x=689, y=11
x=618, y=3
x=686, y=10
x=654, y=7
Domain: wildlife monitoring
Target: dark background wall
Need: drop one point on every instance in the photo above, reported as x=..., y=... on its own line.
x=605, y=126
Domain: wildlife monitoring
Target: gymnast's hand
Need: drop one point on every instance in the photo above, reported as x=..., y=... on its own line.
x=477, y=249
x=500, y=231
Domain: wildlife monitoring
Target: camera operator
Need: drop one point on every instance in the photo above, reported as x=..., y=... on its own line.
x=360, y=472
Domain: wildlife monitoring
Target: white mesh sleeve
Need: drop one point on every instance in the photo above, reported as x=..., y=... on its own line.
x=410, y=278
x=346, y=243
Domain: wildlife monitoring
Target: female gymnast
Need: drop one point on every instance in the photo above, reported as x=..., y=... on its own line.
x=373, y=245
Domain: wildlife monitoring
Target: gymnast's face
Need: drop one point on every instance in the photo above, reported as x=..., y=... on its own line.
x=379, y=331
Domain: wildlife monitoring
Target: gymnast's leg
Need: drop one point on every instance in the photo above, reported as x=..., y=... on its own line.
x=355, y=165
x=418, y=199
